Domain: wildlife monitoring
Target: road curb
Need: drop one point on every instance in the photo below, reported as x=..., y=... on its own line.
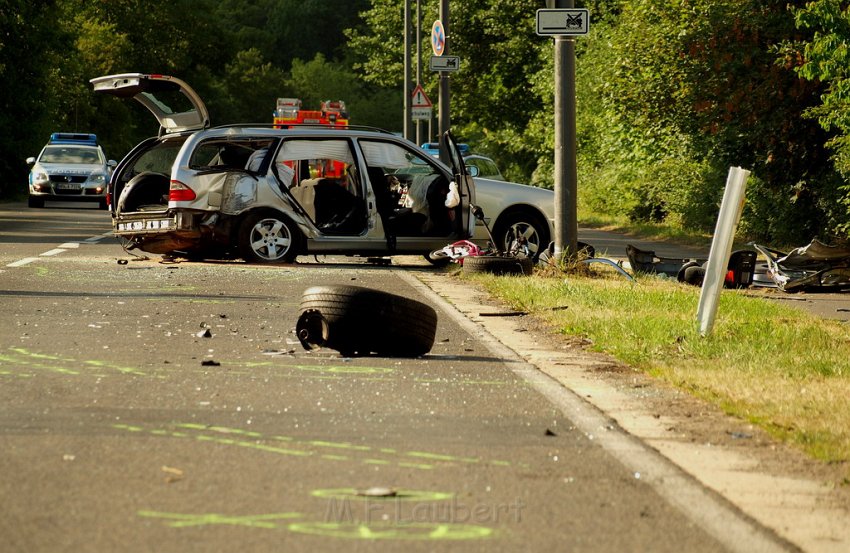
x=736, y=489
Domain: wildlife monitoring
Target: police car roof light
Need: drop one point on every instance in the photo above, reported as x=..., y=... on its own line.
x=435, y=147
x=73, y=138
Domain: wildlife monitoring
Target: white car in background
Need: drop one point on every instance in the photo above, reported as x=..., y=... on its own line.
x=71, y=167
x=270, y=194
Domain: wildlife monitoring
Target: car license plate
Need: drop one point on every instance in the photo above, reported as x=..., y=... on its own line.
x=148, y=225
x=67, y=186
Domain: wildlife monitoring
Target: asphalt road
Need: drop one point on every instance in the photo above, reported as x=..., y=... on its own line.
x=124, y=428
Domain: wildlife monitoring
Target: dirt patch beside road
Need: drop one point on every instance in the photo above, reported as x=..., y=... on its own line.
x=805, y=501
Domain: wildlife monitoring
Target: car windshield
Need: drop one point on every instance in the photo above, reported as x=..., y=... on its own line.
x=70, y=154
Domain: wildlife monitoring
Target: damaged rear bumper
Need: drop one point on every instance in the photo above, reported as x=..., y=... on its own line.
x=162, y=232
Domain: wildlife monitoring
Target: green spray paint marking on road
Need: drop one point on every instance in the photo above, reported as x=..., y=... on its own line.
x=254, y=444
x=227, y=431
x=388, y=531
x=353, y=447
x=208, y=519
x=332, y=369
x=25, y=357
x=419, y=531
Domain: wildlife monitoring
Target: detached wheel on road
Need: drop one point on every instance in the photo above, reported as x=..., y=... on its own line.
x=359, y=321
x=268, y=238
x=498, y=265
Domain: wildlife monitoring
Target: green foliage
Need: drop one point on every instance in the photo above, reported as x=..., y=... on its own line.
x=670, y=94
x=683, y=90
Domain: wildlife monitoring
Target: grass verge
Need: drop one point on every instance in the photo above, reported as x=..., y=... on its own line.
x=780, y=368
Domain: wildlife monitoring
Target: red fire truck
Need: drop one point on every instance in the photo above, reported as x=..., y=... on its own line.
x=289, y=112
x=333, y=114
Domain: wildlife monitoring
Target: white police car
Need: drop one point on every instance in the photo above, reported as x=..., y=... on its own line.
x=71, y=167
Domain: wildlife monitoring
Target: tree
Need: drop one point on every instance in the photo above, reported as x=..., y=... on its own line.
x=695, y=85
x=826, y=55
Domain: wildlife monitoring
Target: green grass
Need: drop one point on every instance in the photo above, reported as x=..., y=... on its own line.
x=785, y=370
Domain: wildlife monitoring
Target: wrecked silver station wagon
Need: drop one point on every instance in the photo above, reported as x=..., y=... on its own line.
x=270, y=194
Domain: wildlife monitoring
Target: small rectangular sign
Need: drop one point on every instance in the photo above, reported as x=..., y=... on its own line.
x=561, y=22
x=420, y=114
x=444, y=63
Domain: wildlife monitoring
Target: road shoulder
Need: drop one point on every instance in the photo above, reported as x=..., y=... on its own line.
x=800, y=499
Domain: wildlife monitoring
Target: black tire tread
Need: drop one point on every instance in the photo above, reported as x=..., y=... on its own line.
x=498, y=265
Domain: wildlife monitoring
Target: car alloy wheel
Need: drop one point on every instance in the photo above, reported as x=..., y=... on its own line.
x=268, y=239
x=521, y=232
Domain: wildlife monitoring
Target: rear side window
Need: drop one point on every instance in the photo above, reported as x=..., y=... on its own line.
x=228, y=153
x=158, y=159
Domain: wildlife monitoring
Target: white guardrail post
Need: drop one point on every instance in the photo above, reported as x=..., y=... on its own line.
x=721, y=247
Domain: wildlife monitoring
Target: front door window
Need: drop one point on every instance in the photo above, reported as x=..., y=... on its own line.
x=410, y=190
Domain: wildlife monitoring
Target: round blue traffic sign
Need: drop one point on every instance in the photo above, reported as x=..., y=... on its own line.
x=438, y=38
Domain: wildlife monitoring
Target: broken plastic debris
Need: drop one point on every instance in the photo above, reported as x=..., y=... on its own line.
x=204, y=334
x=378, y=491
x=549, y=433
x=210, y=363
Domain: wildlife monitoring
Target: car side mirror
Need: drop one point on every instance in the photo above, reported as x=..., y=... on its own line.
x=30, y=160
x=473, y=171
x=112, y=163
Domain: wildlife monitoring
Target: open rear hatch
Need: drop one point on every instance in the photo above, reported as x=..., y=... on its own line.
x=175, y=105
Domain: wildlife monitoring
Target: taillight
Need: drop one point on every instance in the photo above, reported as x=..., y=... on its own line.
x=179, y=192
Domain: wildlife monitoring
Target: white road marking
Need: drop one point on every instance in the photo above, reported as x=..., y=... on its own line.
x=22, y=262
x=62, y=248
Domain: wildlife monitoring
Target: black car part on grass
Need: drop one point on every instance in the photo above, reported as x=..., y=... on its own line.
x=358, y=321
x=815, y=267
x=740, y=270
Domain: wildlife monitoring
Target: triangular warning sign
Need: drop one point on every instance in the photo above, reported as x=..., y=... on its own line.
x=420, y=99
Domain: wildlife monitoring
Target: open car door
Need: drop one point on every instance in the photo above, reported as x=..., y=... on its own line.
x=465, y=185
x=175, y=105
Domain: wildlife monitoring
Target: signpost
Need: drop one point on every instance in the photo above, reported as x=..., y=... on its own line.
x=444, y=63
x=438, y=38
x=440, y=45
x=421, y=106
x=563, y=22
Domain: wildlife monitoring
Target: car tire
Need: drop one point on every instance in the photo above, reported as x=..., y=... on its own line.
x=498, y=265
x=268, y=238
x=359, y=321
x=35, y=201
x=525, y=223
